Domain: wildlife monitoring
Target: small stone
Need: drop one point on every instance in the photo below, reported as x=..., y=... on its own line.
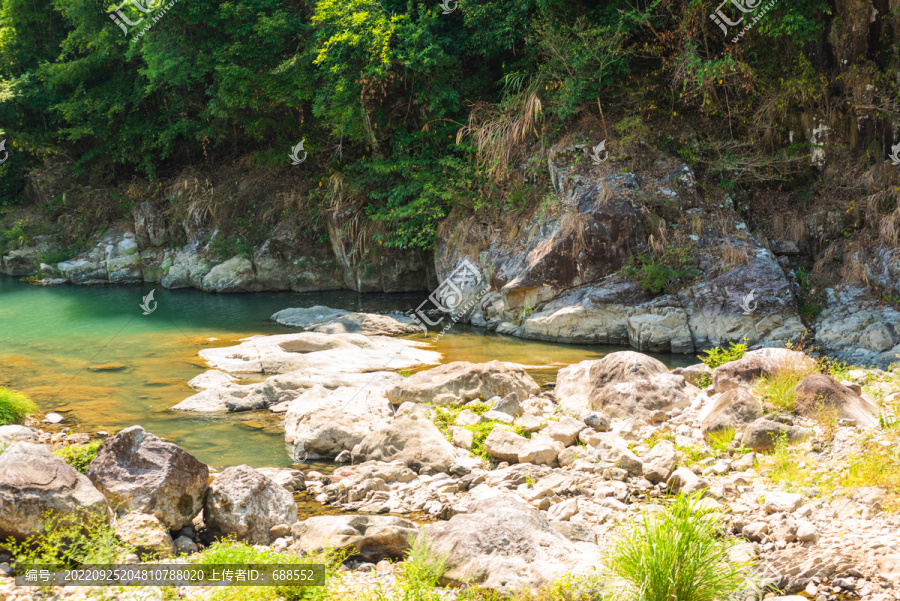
x=279, y=530
x=496, y=416
x=53, y=418
x=782, y=502
x=597, y=421
x=185, y=546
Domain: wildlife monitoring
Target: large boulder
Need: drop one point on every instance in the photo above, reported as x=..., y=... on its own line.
x=504, y=544
x=622, y=384
x=822, y=396
x=757, y=364
x=762, y=434
x=245, y=504
x=137, y=471
x=459, y=382
x=321, y=423
x=337, y=321
x=34, y=481
x=416, y=442
x=732, y=409
x=368, y=537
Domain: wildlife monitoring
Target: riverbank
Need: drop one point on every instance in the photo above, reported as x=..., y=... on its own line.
x=797, y=456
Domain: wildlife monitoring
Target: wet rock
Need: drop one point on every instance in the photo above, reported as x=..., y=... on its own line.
x=417, y=443
x=146, y=534
x=504, y=544
x=459, y=382
x=33, y=482
x=19, y=262
x=371, y=538
x=244, y=503
x=137, y=471
x=821, y=396
x=622, y=384
x=337, y=321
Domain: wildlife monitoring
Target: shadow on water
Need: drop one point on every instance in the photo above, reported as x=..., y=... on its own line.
x=90, y=354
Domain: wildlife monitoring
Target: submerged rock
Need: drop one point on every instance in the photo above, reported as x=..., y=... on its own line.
x=33, y=482
x=337, y=321
x=137, y=471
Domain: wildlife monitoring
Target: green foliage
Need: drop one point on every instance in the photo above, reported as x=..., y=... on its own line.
x=79, y=456
x=676, y=554
x=15, y=407
x=719, y=355
x=231, y=552
x=419, y=573
x=664, y=274
x=71, y=540
x=720, y=440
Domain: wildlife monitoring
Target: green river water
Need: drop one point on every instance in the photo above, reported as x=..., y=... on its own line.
x=91, y=355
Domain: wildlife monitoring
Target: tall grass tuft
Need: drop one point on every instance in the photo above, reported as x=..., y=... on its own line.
x=675, y=554
x=14, y=407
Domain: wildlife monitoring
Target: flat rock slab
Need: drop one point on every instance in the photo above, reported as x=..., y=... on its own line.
x=280, y=390
x=325, y=353
x=326, y=320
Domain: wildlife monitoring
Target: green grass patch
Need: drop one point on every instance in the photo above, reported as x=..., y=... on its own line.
x=79, y=456
x=15, y=407
x=715, y=357
x=676, y=554
x=71, y=540
x=719, y=441
x=231, y=552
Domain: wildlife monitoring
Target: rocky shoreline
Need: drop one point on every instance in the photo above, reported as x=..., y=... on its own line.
x=519, y=486
x=568, y=274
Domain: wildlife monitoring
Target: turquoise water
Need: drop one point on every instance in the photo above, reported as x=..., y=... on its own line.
x=90, y=354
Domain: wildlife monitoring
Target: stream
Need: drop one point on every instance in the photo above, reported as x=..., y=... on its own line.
x=90, y=354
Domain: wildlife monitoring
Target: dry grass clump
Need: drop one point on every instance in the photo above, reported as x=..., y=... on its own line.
x=777, y=387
